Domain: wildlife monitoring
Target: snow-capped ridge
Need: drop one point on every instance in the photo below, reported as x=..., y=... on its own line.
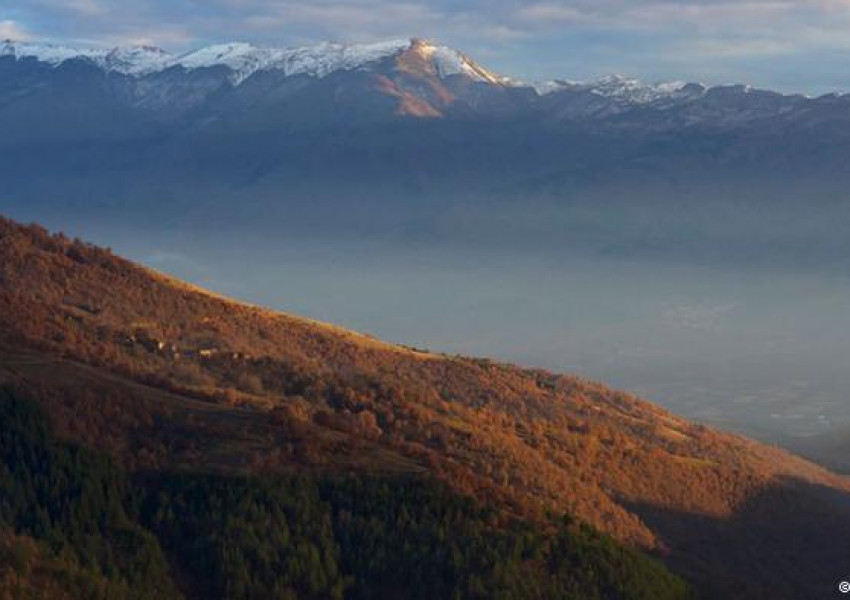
x=623, y=88
x=242, y=59
x=53, y=54
x=245, y=59
x=130, y=60
x=630, y=91
x=318, y=61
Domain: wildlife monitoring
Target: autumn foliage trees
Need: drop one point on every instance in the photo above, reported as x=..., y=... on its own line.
x=72, y=524
x=163, y=375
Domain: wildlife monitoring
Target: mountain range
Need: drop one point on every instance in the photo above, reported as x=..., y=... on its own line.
x=413, y=138
x=420, y=71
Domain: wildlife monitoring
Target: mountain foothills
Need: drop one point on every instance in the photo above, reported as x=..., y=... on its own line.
x=161, y=441
x=409, y=137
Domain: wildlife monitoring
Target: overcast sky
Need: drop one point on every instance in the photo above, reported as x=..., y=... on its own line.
x=792, y=45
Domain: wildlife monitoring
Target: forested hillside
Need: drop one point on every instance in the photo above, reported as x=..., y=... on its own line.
x=163, y=376
x=73, y=525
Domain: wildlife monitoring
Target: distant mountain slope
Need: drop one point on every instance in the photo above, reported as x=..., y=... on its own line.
x=165, y=375
x=422, y=77
x=411, y=137
x=449, y=82
x=239, y=62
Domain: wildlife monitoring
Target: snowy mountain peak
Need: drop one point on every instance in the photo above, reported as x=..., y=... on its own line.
x=136, y=60
x=447, y=61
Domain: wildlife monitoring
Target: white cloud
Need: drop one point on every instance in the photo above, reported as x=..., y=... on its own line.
x=727, y=14
x=550, y=13
x=10, y=30
x=165, y=36
x=87, y=8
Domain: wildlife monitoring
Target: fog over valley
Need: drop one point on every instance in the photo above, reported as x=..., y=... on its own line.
x=750, y=348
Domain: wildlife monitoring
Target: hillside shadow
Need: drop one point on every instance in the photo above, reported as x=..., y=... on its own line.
x=792, y=541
